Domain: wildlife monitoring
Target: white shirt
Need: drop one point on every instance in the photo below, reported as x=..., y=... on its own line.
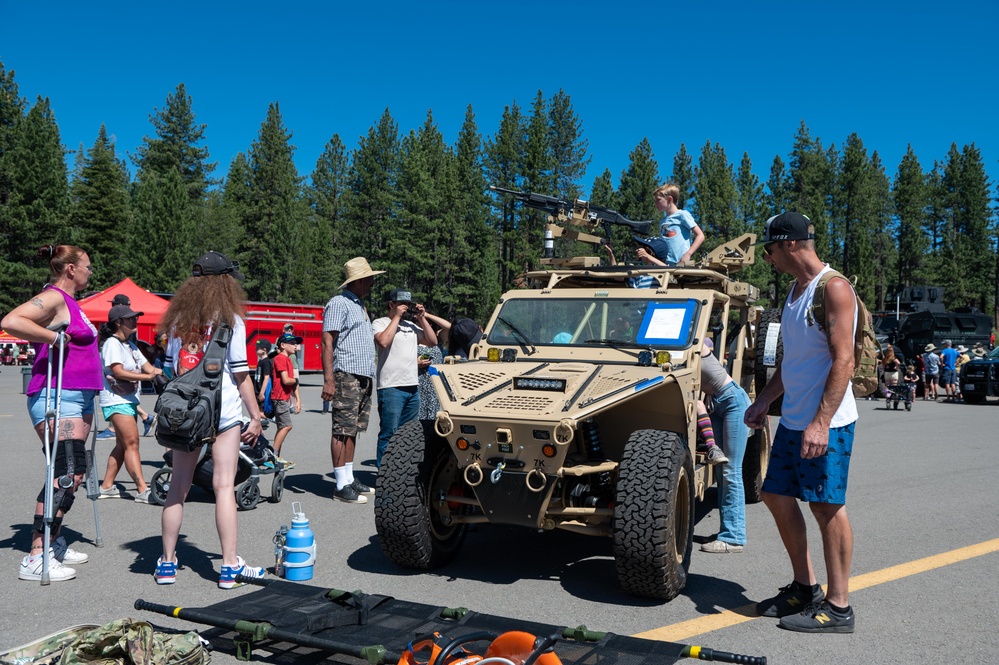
x=116, y=352
x=397, y=364
x=806, y=364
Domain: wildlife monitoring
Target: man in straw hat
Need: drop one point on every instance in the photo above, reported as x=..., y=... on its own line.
x=348, y=351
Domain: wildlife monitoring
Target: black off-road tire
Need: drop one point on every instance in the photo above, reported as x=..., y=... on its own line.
x=763, y=372
x=416, y=467
x=654, y=514
x=754, y=465
x=159, y=485
x=974, y=399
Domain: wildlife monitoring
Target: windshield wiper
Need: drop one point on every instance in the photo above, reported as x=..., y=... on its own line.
x=525, y=340
x=616, y=343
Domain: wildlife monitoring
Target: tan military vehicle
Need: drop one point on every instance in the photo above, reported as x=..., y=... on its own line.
x=577, y=411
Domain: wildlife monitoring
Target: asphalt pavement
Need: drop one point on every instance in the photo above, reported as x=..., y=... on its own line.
x=922, y=500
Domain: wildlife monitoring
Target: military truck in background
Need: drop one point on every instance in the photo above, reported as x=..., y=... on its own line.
x=920, y=318
x=577, y=411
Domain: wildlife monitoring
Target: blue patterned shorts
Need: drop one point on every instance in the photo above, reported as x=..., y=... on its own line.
x=820, y=480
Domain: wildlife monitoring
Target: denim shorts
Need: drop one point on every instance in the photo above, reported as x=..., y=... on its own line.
x=820, y=480
x=948, y=376
x=74, y=404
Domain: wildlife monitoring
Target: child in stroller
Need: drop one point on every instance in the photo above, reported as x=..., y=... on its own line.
x=254, y=461
x=909, y=382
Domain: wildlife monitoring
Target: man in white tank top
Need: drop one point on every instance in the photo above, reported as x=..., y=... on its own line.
x=810, y=459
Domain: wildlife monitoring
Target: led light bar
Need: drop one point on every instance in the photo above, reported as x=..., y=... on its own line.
x=536, y=383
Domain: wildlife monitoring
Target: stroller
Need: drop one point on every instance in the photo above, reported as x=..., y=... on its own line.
x=904, y=392
x=255, y=461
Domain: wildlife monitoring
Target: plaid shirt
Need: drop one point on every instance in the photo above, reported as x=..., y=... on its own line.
x=354, y=351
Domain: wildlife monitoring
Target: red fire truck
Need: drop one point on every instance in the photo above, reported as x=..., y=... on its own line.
x=267, y=319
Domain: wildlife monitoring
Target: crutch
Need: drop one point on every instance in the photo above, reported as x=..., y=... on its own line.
x=51, y=440
x=93, y=482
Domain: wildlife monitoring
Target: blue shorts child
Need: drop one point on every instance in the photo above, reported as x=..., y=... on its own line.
x=819, y=480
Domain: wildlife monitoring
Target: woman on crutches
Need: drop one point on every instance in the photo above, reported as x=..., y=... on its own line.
x=79, y=377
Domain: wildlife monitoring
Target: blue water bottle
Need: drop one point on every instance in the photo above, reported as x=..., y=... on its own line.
x=300, y=547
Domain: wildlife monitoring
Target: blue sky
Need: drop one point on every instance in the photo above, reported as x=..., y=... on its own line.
x=742, y=74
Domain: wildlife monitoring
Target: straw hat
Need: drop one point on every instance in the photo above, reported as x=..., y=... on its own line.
x=358, y=268
x=979, y=353
x=929, y=347
x=961, y=348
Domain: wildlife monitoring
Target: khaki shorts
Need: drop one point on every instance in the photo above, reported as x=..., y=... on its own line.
x=282, y=413
x=351, y=404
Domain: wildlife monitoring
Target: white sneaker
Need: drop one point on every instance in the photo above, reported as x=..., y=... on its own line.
x=31, y=569
x=66, y=554
x=110, y=493
x=143, y=497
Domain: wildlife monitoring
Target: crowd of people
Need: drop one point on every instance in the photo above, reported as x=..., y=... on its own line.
x=388, y=359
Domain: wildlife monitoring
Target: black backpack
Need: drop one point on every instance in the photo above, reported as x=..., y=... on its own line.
x=190, y=407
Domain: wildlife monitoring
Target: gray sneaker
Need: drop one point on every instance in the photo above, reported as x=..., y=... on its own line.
x=110, y=493
x=143, y=497
x=820, y=617
x=721, y=547
x=716, y=456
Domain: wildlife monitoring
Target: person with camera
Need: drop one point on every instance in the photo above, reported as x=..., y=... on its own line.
x=397, y=337
x=124, y=367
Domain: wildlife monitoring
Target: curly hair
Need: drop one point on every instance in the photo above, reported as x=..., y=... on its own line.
x=202, y=301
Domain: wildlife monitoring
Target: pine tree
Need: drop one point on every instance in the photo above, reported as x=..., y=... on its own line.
x=272, y=248
x=569, y=149
x=855, y=214
x=475, y=258
x=538, y=173
x=504, y=163
x=683, y=175
x=637, y=183
x=811, y=176
x=327, y=235
x=229, y=210
x=884, y=252
x=101, y=213
x=750, y=211
x=159, y=255
x=973, y=252
x=16, y=277
x=175, y=146
x=370, y=214
x=778, y=200
x=715, y=202
x=910, y=200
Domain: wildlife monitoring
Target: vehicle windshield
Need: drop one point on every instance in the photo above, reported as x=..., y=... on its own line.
x=593, y=322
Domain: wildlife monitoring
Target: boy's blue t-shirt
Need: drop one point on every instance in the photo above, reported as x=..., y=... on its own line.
x=677, y=230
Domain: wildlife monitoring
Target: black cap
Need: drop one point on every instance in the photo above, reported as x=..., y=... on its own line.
x=216, y=263
x=263, y=344
x=400, y=295
x=122, y=312
x=121, y=299
x=463, y=334
x=657, y=246
x=787, y=226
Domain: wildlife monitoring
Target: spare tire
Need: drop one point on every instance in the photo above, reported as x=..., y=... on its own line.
x=769, y=353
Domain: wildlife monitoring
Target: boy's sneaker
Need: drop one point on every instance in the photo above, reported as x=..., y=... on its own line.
x=166, y=571
x=349, y=495
x=792, y=599
x=106, y=434
x=820, y=617
x=227, y=578
x=110, y=493
x=31, y=569
x=143, y=497
x=361, y=488
x=66, y=554
x=287, y=464
x=147, y=424
x=716, y=456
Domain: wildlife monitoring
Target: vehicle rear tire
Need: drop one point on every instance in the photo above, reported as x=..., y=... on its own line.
x=768, y=318
x=974, y=399
x=654, y=514
x=160, y=485
x=754, y=464
x=417, y=468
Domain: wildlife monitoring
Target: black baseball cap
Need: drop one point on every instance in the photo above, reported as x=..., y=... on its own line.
x=216, y=263
x=400, y=295
x=288, y=339
x=657, y=246
x=787, y=226
x=263, y=344
x=119, y=312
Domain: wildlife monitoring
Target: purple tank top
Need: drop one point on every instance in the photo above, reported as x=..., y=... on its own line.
x=82, y=367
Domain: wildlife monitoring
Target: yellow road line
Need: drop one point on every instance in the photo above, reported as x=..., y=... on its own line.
x=684, y=630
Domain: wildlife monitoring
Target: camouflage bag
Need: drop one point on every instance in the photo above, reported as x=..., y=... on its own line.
x=46, y=651
x=121, y=642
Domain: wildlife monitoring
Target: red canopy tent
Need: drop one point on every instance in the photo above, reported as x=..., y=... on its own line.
x=151, y=305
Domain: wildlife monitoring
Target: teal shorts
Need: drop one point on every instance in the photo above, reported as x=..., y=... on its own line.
x=123, y=409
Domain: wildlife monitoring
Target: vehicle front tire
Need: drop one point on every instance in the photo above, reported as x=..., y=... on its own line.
x=418, y=468
x=654, y=514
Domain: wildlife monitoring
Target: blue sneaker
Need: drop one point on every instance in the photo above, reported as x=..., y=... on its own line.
x=166, y=571
x=106, y=434
x=227, y=578
x=147, y=424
